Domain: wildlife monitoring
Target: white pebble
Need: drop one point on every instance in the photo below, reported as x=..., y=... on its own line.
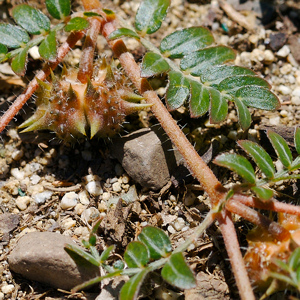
x=34, y=52
x=117, y=187
x=79, y=208
x=274, y=121
x=284, y=113
x=40, y=198
x=257, y=55
x=143, y=224
x=69, y=200
x=84, y=198
x=269, y=57
x=67, y=223
x=131, y=195
x=285, y=90
x=179, y=224
x=284, y=51
x=90, y=215
x=22, y=202
x=35, y=179
x=286, y=69
x=94, y=188
x=17, y=154
x=35, y=167
x=1, y=296
x=7, y=289
x=125, y=179
x=295, y=100
x=106, y=196
x=17, y=173
x=296, y=91
x=171, y=229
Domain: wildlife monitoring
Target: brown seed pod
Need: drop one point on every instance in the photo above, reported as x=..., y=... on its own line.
x=73, y=109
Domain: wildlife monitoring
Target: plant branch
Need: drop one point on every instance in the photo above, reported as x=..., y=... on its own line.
x=42, y=75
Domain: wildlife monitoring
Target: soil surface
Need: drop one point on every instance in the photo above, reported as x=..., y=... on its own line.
x=37, y=170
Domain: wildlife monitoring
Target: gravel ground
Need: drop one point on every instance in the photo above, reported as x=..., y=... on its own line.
x=56, y=187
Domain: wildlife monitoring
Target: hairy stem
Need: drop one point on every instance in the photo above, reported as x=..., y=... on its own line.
x=42, y=75
x=257, y=218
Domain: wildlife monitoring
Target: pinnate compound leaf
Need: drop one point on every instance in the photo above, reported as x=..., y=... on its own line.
x=199, y=99
x=197, y=62
x=281, y=148
x=262, y=193
x=77, y=24
x=218, y=107
x=131, y=288
x=105, y=254
x=76, y=252
x=31, y=19
x=136, y=255
x=216, y=74
x=150, y=15
x=18, y=64
x=297, y=140
x=157, y=242
x=260, y=156
x=233, y=83
x=153, y=64
x=47, y=48
x=243, y=114
x=294, y=260
x=238, y=164
x=178, y=90
x=258, y=97
x=59, y=9
x=13, y=36
x=182, y=42
x=123, y=32
x=177, y=272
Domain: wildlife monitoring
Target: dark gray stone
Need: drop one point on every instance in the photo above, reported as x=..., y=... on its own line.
x=40, y=256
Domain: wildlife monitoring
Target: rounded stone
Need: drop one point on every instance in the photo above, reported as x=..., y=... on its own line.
x=7, y=289
x=69, y=200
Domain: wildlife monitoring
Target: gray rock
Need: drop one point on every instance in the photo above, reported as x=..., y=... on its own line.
x=40, y=256
x=8, y=222
x=147, y=156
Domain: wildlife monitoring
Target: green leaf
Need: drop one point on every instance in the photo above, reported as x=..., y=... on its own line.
x=177, y=273
x=47, y=48
x=77, y=24
x=18, y=64
x=123, y=32
x=295, y=164
x=297, y=140
x=150, y=15
x=182, y=42
x=131, y=288
x=281, y=147
x=258, y=97
x=294, y=260
x=260, y=156
x=218, y=107
x=31, y=19
x=85, y=255
x=238, y=164
x=199, y=99
x=136, y=255
x=105, y=254
x=91, y=14
x=3, y=51
x=197, y=62
x=216, y=74
x=178, y=90
x=153, y=64
x=262, y=193
x=231, y=84
x=59, y=9
x=13, y=36
x=243, y=114
x=157, y=242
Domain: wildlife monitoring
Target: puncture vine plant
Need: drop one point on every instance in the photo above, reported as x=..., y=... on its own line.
x=93, y=101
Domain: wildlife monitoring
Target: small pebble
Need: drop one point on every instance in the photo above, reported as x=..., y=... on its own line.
x=189, y=199
x=173, y=198
x=67, y=223
x=17, y=173
x=284, y=51
x=17, y=154
x=295, y=100
x=286, y=69
x=284, y=113
x=125, y=179
x=79, y=208
x=69, y=200
x=131, y=195
x=269, y=57
x=35, y=179
x=117, y=187
x=84, y=198
x=143, y=224
x=296, y=91
x=106, y=196
x=1, y=296
x=102, y=206
x=179, y=224
x=41, y=198
x=232, y=135
x=285, y=90
x=7, y=289
x=90, y=215
x=94, y=188
x=171, y=229
x=22, y=202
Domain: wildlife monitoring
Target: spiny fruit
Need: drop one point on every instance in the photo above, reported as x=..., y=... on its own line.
x=72, y=109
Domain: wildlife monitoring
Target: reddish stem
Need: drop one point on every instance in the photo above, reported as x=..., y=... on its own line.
x=87, y=58
x=257, y=218
x=273, y=204
x=42, y=75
